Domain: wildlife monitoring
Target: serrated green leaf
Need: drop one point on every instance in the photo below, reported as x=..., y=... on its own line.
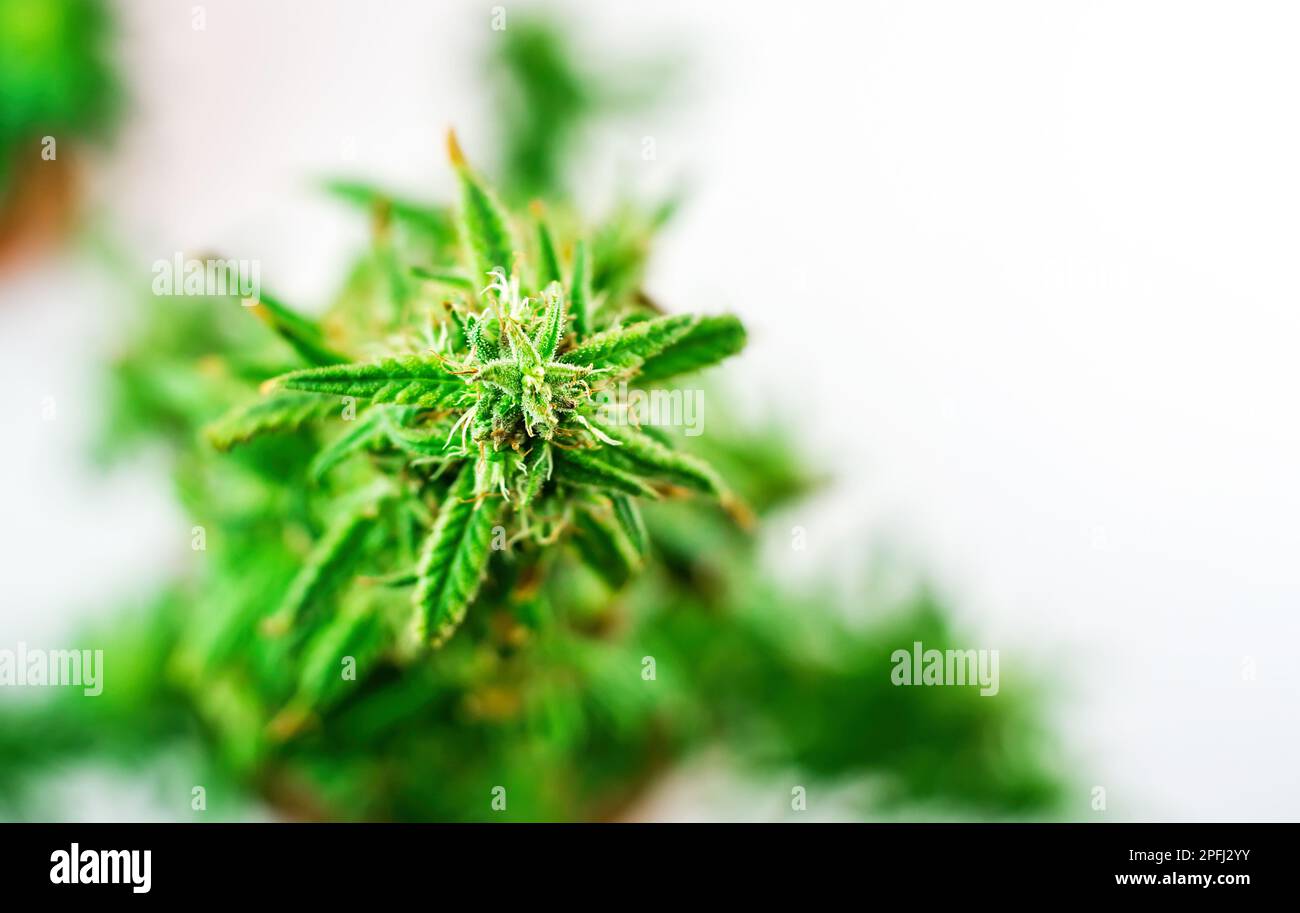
x=604, y=545
x=522, y=349
x=415, y=380
x=559, y=374
x=454, y=559
x=548, y=262
x=629, y=518
x=302, y=334
x=275, y=412
x=386, y=424
x=428, y=445
x=356, y=634
x=580, y=291
x=449, y=276
x=707, y=342
x=586, y=468
x=551, y=331
x=502, y=375
x=639, y=452
x=327, y=567
x=624, y=346
x=483, y=223
x=365, y=428
x=538, y=468
x=484, y=339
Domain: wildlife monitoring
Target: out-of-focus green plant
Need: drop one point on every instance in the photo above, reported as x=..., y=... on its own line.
x=55, y=79
x=280, y=651
x=548, y=94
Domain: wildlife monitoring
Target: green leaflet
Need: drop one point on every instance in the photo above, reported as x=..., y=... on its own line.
x=580, y=290
x=629, y=518
x=490, y=399
x=586, y=468
x=415, y=380
x=641, y=453
x=434, y=221
x=388, y=424
x=559, y=374
x=708, y=342
x=624, y=346
x=217, y=638
x=604, y=545
x=278, y=411
x=326, y=569
x=551, y=330
x=539, y=465
x=354, y=636
x=367, y=427
x=447, y=275
x=302, y=334
x=548, y=262
x=396, y=580
x=502, y=375
x=522, y=349
x=388, y=260
x=484, y=224
x=620, y=247
x=454, y=559
x=426, y=445
x=485, y=339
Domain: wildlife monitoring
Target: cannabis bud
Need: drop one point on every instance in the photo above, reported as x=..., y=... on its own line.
x=488, y=415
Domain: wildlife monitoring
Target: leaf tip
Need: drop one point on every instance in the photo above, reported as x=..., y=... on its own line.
x=289, y=722
x=454, y=152
x=739, y=512
x=274, y=625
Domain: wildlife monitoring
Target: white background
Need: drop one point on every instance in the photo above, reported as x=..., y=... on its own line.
x=1035, y=263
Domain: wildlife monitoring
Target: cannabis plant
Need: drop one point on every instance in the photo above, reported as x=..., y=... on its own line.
x=493, y=414
x=436, y=561
x=548, y=94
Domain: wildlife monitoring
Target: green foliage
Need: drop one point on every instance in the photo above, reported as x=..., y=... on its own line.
x=708, y=341
x=627, y=347
x=279, y=411
x=484, y=226
x=481, y=495
x=326, y=567
x=432, y=223
x=580, y=290
x=548, y=261
x=302, y=335
x=417, y=380
x=547, y=92
x=453, y=561
x=631, y=523
x=639, y=452
x=513, y=392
